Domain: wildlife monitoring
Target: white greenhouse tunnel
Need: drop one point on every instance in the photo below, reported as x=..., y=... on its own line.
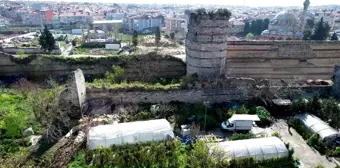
x=316, y=125
x=129, y=133
x=259, y=148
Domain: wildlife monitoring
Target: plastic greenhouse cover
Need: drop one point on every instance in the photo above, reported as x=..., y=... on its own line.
x=259, y=148
x=316, y=125
x=129, y=133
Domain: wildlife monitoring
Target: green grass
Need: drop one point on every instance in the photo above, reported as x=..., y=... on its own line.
x=62, y=44
x=135, y=85
x=79, y=51
x=127, y=38
x=10, y=100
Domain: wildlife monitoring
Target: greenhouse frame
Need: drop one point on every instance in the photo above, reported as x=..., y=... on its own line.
x=129, y=133
x=259, y=148
x=316, y=125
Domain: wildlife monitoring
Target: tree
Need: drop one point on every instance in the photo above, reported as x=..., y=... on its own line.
x=310, y=23
x=110, y=34
x=259, y=24
x=74, y=42
x=157, y=35
x=265, y=24
x=250, y=36
x=172, y=35
x=253, y=27
x=135, y=38
x=307, y=35
x=321, y=31
x=247, y=28
x=334, y=37
x=46, y=40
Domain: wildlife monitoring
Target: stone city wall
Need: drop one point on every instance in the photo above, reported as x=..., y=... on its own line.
x=136, y=67
x=288, y=60
x=103, y=101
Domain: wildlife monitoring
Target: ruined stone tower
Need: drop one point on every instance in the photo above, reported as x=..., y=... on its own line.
x=206, y=43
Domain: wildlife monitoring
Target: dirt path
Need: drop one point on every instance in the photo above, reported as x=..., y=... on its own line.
x=308, y=157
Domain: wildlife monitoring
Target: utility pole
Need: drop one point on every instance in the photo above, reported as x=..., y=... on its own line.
x=206, y=104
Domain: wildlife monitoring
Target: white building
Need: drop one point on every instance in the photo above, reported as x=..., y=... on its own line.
x=83, y=17
x=4, y=21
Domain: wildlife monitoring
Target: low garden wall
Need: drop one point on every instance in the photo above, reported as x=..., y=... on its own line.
x=14, y=50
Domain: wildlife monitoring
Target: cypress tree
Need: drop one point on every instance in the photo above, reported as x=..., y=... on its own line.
x=265, y=24
x=135, y=38
x=247, y=28
x=321, y=31
x=46, y=40
x=253, y=27
x=157, y=35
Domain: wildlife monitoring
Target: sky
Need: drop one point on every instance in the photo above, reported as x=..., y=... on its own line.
x=252, y=3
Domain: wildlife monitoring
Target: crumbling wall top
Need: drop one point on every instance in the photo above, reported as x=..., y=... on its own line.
x=202, y=14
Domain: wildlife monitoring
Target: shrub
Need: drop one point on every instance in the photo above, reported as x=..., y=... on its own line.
x=320, y=166
x=263, y=114
x=237, y=136
x=231, y=112
x=276, y=134
x=243, y=110
x=15, y=121
x=336, y=151
x=116, y=76
x=143, y=116
x=299, y=106
x=21, y=54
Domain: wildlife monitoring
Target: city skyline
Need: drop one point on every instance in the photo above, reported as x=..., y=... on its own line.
x=251, y=3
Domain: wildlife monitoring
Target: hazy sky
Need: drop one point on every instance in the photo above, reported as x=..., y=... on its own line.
x=229, y=2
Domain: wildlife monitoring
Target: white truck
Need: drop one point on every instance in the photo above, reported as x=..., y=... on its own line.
x=239, y=122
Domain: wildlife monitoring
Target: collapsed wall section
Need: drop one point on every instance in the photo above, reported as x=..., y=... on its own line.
x=206, y=43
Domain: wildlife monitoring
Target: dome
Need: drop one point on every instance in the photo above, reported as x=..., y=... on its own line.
x=285, y=19
x=265, y=32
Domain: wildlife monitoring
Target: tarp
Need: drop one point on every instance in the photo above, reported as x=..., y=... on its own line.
x=129, y=133
x=259, y=148
x=316, y=125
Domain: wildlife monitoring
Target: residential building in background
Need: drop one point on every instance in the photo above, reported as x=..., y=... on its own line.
x=175, y=24
x=143, y=24
x=4, y=21
x=235, y=27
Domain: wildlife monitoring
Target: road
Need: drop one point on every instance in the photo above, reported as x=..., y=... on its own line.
x=308, y=157
x=67, y=51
